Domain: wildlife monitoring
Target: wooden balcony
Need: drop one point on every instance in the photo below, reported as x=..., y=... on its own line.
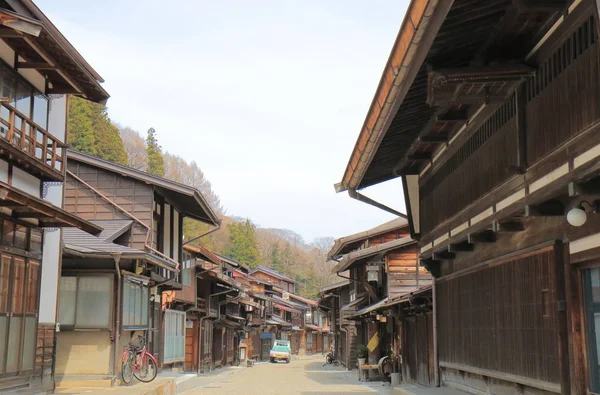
x=29, y=146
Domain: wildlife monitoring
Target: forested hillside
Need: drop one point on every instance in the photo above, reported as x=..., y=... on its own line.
x=90, y=130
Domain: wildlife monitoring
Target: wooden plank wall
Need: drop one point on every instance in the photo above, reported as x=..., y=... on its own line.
x=389, y=236
x=563, y=97
x=483, y=162
x=44, y=357
x=134, y=196
x=502, y=318
x=404, y=273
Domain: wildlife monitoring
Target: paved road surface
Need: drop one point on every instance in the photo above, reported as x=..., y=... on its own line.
x=300, y=377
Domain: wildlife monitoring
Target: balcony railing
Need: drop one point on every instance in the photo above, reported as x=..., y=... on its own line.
x=46, y=152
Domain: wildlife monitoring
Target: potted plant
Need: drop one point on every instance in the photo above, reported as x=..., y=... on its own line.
x=361, y=353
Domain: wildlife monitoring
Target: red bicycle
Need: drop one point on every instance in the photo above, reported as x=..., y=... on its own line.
x=137, y=361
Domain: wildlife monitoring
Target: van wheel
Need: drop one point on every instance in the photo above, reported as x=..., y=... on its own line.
x=272, y=360
x=287, y=360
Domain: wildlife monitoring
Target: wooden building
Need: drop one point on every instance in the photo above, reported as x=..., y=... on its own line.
x=332, y=298
x=38, y=69
x=120, y=275
x=381, y=264
x=489, y=113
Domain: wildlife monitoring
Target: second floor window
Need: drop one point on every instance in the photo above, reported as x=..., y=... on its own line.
x=22, y=96
x=135, y=305
x=308, y=317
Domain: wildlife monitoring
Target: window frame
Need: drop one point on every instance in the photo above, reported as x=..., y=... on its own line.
x=591, y=308
x=141, y=284
x=75, y=327
x=27, y=310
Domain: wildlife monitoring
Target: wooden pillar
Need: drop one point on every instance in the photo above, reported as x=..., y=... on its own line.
x=372, y=329
x=436, y=360
x=561, y=317
x=575, y=322
x=302, y=348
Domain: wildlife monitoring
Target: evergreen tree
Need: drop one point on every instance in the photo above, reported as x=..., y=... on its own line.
x=242, y=245
x=276, y=261
x=156, y=162
x=90, y=131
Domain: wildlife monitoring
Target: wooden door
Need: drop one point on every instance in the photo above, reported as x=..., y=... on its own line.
x=191, y=347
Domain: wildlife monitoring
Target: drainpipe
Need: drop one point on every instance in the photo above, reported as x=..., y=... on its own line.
x=365, y=199
x=147, y=244
x=202, y=235
x=436, y=362
x=117, y=336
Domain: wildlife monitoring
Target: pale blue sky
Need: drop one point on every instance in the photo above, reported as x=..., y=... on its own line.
x=267, y=96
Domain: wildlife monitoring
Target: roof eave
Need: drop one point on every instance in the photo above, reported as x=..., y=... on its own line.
x=421, y=23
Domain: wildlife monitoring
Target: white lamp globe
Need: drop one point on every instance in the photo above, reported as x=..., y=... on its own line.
x=576, y=216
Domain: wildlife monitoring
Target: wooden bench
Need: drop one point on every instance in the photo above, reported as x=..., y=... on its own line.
x=363, y=371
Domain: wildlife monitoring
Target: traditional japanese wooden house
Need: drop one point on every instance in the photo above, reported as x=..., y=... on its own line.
x=489, y=114
x=382, y=264
x=112, y=284
x=38, y=69
x=332, y=298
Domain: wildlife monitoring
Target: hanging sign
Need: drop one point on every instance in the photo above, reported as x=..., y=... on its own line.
x=374, y=342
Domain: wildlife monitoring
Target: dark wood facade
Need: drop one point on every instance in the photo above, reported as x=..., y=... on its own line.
x=489, y=181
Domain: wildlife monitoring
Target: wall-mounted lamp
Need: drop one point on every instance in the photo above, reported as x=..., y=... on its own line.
x=578, y=214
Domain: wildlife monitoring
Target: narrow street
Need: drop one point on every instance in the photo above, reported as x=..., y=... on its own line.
x=299, y=377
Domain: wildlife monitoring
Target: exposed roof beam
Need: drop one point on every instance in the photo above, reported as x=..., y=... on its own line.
x=551, y=208
x=461, y=247
x=35, y=65
x=508, y=226
x=443, y=255
x=486, y=236
x=50, y=60
x=10, y=33
x=434, y=139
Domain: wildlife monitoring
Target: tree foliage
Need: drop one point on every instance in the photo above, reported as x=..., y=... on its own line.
x=135, y=147
x=156, y=162
x=90, y=131
x=242, y=243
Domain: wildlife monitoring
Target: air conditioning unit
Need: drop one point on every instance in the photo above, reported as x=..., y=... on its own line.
x=286, y=296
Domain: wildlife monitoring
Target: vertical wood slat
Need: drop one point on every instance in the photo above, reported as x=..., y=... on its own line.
x=485, y=160
x=496, y=318
x=566, y=104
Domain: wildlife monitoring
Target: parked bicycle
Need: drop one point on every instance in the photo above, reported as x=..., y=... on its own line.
x=330, y=359
x=137, y=361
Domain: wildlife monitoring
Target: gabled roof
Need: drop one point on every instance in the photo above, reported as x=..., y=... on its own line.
x=331, y=287
x=36, y=39
x=348, y=243
x=442, y=34
x=360, y=255
x=187, y=199
x=78, y=243
x=273, y=273
x=309, y=302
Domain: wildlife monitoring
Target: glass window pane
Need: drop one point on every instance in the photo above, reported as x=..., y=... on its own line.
x=145, y=306
x=93, y=302
x=24, y=98
x=18, y=291
x=31, y=296
x=132, y=304
x=8, y=84
x=8, y=233
x=595, y=277
x=126, y=296
x=3, y=332
x=29, y=343
x=40, y=110
x=21, y=237
x=14, y=342
x=35, y=244
x=66, y=302
x=4, y=281
x=138, y=305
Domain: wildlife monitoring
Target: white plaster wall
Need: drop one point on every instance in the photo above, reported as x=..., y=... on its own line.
x=57, y=121
x=3, y=171
x=176, y=238
x=26, y=182
x=51, y=262
x=57, y=116
x=167, y=230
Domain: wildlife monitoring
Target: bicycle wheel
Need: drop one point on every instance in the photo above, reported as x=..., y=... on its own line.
x=127, y=367
x=329, y=359
x=147, y=369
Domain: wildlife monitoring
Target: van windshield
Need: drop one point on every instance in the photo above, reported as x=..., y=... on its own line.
x=281, y=344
